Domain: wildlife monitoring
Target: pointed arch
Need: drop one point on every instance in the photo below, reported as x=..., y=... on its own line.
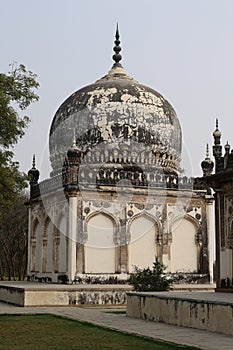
x=147, y=215
x=187, y=217
x=143, y=233
x=35, y=223
x=47, y=222
x=115, y=220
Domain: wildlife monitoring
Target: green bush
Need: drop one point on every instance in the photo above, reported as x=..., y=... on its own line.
x=147, y=279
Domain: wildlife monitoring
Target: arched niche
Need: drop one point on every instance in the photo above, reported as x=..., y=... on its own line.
x=184, y=249
x=142, y=248
x=100, y=254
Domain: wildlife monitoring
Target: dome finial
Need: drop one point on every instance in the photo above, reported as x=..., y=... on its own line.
x=117, y=56
x=207, y=164
x=74, y=145
x=34, y=161
x=217, y=134
x=207, y=151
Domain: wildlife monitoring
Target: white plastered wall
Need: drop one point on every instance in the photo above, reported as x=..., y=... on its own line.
x=100, y=247
x=183, y=248
x=142, y=246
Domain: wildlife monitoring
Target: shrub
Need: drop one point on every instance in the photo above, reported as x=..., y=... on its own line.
x=147, y=279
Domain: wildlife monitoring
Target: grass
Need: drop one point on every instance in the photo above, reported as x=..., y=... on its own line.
x=49, y=332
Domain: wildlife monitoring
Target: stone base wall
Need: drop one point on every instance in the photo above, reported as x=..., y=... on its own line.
x=65, y=298
x=12, y=295
x=202, y=314
x=41, y=294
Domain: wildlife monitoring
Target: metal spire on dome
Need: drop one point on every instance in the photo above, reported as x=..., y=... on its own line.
x=34, y=161
x=117, y=56
x=217, y=134
x=207, y=151
x=74, y=145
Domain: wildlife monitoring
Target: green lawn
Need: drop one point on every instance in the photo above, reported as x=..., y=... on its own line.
x=38, y=332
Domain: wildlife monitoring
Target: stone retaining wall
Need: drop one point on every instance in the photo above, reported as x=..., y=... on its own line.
x=37, y=294
x=214, y=316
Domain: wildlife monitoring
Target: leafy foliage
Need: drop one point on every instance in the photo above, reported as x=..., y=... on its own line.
x=16, y=87
x=17, y=92
x=147, y=279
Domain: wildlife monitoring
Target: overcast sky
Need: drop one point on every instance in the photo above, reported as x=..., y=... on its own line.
x=181, y=48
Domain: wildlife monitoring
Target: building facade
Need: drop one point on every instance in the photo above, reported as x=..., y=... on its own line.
x=222, y=183
x=115, y=199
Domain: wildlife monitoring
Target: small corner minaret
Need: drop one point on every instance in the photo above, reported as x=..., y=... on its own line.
x=33, y=173
x=71, y=165
x=217, y=148
x=74, y=154
x=207, y=164
x=227, y=148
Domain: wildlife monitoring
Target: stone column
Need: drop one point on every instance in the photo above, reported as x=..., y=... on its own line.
x=210, y=235
x=72, y=237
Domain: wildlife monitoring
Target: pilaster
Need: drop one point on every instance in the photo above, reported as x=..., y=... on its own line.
x=72, y=236
x=210, y=234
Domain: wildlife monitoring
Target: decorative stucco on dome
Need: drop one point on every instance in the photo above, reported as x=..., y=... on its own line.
x=118, y=113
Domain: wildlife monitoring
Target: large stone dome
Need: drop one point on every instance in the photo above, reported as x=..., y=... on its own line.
x=118, y=120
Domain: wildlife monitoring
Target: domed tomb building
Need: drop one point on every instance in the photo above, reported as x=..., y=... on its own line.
x=114, y=198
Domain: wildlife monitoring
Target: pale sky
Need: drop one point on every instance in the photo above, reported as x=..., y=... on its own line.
x=181, y=48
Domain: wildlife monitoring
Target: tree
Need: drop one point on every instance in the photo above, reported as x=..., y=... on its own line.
x=13, y=240
x=147, y=279
x=17, y=92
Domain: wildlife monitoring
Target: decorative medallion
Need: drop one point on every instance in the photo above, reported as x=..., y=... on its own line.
x=87, y=210
x=130, y=213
